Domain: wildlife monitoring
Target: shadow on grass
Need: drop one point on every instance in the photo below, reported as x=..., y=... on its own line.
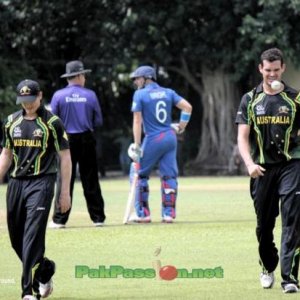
x=157, y=223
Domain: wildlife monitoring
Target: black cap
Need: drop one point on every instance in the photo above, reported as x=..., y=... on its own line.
x=74, y=68
x=27, y=91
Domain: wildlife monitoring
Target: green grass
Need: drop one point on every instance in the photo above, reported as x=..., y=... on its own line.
x=215, y=227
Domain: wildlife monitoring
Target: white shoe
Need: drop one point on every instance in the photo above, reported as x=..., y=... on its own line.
x=267, y=280
x=98, y=224
x=54, y=225
x=167, y=219
x=136, y=219
x=29, y=297
x=290, y=288
x=45, y=289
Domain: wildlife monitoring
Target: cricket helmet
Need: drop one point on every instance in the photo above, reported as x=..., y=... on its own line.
x=144, y=71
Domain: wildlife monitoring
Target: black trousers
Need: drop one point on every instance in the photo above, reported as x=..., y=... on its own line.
x=83, y=153
x=28, y=206
x=281, y=183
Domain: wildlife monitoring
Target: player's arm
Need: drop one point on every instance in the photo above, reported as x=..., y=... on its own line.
x=134, y=150
x=186, y=112
x=254, y=170
x=65, y=170
x=137, y=127
x=97, y=118
x=5, y=162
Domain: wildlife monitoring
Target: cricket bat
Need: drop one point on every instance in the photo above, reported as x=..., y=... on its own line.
x=131, y=196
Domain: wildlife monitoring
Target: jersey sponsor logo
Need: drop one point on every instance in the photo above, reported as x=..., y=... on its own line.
x=17, y=132
x=158, y=95
x=283, y=109
x=27, y=143
x=75, y=98
x=272, y=120
x=38, y=132
x=260, y=110
x=40, y=208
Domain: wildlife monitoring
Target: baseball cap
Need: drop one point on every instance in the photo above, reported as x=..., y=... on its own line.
x=27, y=91
x=74, y=68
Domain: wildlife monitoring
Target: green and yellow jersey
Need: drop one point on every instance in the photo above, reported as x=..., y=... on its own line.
x=34, y=143
x=274, y=122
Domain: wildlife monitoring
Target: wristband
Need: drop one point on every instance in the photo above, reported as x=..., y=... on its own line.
x=185, y=117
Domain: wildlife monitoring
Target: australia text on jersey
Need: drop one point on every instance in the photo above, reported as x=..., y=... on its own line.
x=273, y=120
x=27, y=143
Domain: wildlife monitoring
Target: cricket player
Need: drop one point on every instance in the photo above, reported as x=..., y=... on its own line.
x=269, y=142
x=152, y=114
x=32, y=137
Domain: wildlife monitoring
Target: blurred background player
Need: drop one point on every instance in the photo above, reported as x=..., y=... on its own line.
x=268, y=139
x=79, y=109
x=152, y=109
x=32, y=138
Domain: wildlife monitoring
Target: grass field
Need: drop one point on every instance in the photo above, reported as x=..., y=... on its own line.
x=215, y=227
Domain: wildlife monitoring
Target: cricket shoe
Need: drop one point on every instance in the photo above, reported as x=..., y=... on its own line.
x=290, y=288
x=267, y=280
x=29, y=297
x=54, y=225
x=98, y=224
x=136, y=219
x=46, y=289
x=167, y=219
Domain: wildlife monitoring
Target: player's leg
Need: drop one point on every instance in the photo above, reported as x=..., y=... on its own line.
x=169, y=172
x=16, y=214
x=266, y=203
x=89, y=178
x=38, y=194
x=290, y=238
x=151, y=153
x=169, y=197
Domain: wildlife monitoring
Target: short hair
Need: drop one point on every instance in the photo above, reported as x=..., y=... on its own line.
x=272, y=55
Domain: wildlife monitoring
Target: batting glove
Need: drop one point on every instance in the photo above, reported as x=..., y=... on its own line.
x=177, y=128
x=135, y=152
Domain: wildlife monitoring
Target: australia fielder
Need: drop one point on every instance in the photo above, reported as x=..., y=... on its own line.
x=152, y=108
x=269, y=142
x=32, y=137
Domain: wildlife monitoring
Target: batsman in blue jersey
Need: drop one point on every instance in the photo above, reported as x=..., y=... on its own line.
x=152, y=113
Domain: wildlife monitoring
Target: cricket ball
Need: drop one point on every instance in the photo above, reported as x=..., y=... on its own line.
x=276, y=85
x=168, y=272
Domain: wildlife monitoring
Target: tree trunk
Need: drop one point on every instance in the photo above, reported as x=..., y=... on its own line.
x=218, y=134
x=219, y=100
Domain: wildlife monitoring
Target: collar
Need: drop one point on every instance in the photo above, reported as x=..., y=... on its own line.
x=151, y=85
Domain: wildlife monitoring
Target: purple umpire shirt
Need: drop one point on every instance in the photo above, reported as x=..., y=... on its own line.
x=78, y=108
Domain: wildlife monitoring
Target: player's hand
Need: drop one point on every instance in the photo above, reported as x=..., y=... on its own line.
x=64, y=202
x=255, y=170
x=135, y=152
x=177, y=128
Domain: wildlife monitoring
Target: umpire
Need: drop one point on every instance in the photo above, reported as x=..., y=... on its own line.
x=268, y=139
x=79, y=109
x=32, y=137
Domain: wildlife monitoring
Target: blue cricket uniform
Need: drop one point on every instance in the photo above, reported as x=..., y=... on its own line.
x=159, y=145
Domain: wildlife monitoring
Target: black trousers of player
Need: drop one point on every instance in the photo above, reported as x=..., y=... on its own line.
x=83, y=153
x=280, y=182
x=28, y=207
